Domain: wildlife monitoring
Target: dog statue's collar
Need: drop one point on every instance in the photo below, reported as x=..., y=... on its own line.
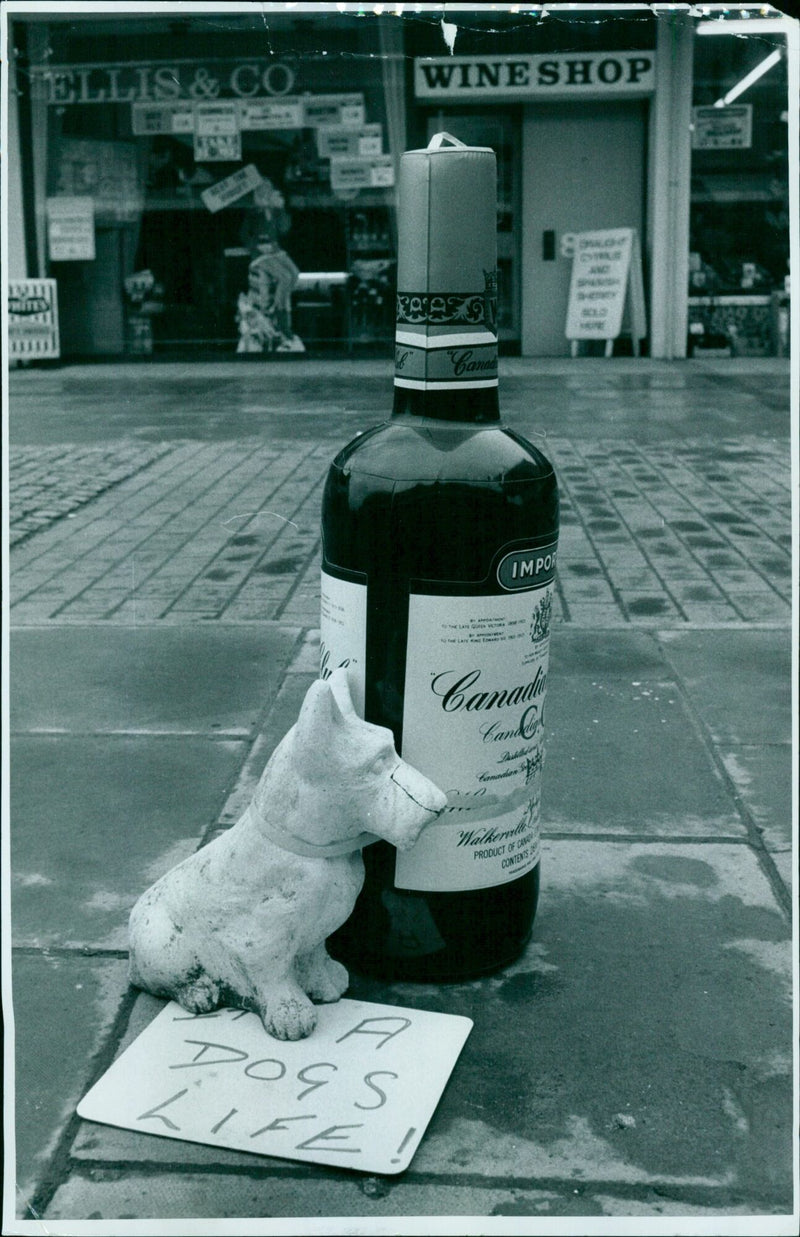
x=309, y=850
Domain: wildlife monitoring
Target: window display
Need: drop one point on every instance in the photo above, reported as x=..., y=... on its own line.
x=738, y=264
x=255, y=191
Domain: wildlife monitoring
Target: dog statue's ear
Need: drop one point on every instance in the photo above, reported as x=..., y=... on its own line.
x=320, y=715
x=340, y=686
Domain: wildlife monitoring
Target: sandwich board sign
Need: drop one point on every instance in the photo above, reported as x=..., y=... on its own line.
x=606, y=275
x=32, y=319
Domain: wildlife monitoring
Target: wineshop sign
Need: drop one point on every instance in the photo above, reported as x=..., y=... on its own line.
x=563, y=75
x=161, y=82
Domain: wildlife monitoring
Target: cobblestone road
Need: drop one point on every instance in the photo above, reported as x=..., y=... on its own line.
x=691, y=533
x=48, y=483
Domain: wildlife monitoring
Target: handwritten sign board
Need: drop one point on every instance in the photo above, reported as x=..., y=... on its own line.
x=606, y=269
x=358, y=1093
x=32, y=319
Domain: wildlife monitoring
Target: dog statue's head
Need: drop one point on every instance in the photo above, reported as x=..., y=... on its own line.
x=348, y=776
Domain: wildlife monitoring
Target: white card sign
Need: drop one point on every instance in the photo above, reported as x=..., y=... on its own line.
x=229, y=190
x=606, y=270
x=150, y=118
x=217, y=147
x=374, y=173
x=216, y=119
x=284, y=113
x=722, y=128
x=333, y=140
x=33, y=319
x=333, y=109
x=357, y=1093
x=70, y=229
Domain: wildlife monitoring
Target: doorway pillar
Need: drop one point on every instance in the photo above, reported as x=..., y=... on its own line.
x=669, y=184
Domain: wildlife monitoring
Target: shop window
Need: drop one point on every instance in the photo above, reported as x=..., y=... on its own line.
x=739, y=246
x=241, y=200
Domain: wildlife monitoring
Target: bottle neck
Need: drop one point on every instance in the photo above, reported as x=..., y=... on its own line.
x=478, y=405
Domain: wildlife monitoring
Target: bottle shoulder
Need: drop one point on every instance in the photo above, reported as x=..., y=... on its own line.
x=415, y=449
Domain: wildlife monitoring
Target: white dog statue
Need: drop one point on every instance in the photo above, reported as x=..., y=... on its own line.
x=243, y=921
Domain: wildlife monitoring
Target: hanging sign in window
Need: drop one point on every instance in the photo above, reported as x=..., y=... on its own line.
x=150, y=118
x=70, y=229
x=349, y=174
x=217, y=147
x=271, y=114
x=32, y=319
x=229, y=190
x=333, y=109
x=216, y=119
x=360, y=143
x=217, y=137
x=722, y=128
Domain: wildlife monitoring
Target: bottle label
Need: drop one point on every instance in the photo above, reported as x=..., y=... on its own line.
x=447, y=341
x=473, y=721
x=473, y=712
x=446, y=362
x=343, y=630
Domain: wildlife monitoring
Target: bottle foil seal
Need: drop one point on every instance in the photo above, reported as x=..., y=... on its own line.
x=446, y=336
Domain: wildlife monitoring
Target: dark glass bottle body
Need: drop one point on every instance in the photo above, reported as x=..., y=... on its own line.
x=434, y=493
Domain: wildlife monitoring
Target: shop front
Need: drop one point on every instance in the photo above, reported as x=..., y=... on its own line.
x=217, y=185
x=227, y=199
x=571, y=133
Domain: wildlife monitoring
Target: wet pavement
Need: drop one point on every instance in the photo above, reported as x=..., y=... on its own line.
x=636, y=1060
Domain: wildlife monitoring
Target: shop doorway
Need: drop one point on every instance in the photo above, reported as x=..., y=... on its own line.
x=583, y=167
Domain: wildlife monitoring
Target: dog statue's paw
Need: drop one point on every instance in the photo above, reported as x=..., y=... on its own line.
x=199, y=995
x=328, y=982
x=291, y=1016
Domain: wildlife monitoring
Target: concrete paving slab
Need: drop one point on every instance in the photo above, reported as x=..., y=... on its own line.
x=105, y=1196
x=786, y=867
x=762, y=775
x=643, y=1042
x=96, y=819
x=657, y=988
x=64, y=1010
x=623, y=754
x=107, y=678
x=739, y=682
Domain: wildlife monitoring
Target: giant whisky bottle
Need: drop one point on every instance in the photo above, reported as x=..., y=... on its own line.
x=439, y=549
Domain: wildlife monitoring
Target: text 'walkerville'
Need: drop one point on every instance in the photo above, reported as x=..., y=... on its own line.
x=478, y=837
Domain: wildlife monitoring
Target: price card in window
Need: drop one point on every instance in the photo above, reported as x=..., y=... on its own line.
x=216, y=119
x=382, y=172
x=358, y=1093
